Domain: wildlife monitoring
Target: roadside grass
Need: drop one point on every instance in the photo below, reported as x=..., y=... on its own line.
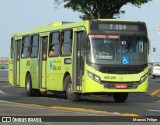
x=1, y=67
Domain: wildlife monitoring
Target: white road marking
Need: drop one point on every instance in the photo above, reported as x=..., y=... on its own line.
x=116, y=113
x=153, y=110
x=4, y=70
x=155, y=80
x=2, y=92
x=7, y=86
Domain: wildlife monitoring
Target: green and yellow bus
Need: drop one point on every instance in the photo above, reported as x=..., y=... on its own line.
x=104, y=56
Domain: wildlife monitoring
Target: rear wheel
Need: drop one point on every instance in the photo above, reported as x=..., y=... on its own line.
x=153, y=76
x=71, y=96
x=30, y=91
x=120, y=97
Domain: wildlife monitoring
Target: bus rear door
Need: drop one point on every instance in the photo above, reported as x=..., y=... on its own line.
x=16, y=63
x=43, y=61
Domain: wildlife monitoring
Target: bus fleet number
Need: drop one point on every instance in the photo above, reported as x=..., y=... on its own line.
x=110, y=77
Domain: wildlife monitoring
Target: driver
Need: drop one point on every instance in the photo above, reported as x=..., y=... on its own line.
x=125, y=47
x=107, y=48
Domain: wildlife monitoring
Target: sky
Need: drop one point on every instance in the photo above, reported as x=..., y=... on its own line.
x=21, y=15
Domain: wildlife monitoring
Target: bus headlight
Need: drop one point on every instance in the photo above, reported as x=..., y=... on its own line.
x=90, y=75
x=143, y=78
x=94, y=77
x=97, y=78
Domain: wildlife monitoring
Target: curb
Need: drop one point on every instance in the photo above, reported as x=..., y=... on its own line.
x=4, y=81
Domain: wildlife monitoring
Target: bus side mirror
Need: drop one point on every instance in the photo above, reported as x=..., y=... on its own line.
x=149, y=46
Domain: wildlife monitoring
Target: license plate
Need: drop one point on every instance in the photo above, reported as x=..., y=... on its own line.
x=121, y=86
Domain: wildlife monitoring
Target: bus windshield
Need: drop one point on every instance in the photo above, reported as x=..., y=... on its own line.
x=117, y=49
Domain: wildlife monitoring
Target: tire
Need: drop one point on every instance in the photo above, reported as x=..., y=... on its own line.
x=153, y=76
x=30, y=91
x=71, y=96
x=120, y=97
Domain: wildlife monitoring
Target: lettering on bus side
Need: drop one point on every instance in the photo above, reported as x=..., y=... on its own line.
x=28, y=63
x=56, y=61
x=109, y=77
x=56, y=67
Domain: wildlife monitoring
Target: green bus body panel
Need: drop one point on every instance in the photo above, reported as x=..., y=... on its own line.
x=10, y=71
x=44, y=34
x=18, y=73
x=34, y=72
x=89, y=85
x=54, y=69
x=44, y=76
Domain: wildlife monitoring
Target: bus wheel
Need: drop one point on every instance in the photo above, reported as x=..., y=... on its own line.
x=153, y=76
x=120, y=97
x=71, y=96
x=29, y=90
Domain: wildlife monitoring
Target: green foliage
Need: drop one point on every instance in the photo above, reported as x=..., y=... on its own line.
x=1, y=67
x=95, y=9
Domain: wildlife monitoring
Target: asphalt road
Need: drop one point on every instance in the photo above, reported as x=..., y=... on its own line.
x=138, y=104
x=142, y=104
x=3, y=74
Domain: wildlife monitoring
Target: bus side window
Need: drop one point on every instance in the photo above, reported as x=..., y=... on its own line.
x=66, y=42
x=34, y=46
x=62, y=43
x=26, y=47
x=51, y=50
x=54, y=44
x=12, y=48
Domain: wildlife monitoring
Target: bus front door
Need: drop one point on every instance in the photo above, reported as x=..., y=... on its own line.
x=78, y=61
x=16, y=69
x=43, y=62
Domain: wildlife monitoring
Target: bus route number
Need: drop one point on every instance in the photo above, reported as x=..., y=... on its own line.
x=118, y=27
x=110, y=77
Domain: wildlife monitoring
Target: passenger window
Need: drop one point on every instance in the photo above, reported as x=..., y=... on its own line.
x=26, y=47
x=66, y=43
x=54, y=45
x=34, y=46
x=12, y=48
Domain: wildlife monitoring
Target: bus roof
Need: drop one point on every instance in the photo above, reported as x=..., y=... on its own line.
x=63, y=25
x=51, y=27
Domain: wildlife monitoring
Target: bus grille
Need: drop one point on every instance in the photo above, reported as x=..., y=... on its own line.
x=112, y=85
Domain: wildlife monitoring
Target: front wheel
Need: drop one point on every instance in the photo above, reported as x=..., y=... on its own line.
x=120, y=97
x=71, y=96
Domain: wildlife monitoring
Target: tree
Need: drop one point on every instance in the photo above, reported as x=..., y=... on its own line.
x=95, y=9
